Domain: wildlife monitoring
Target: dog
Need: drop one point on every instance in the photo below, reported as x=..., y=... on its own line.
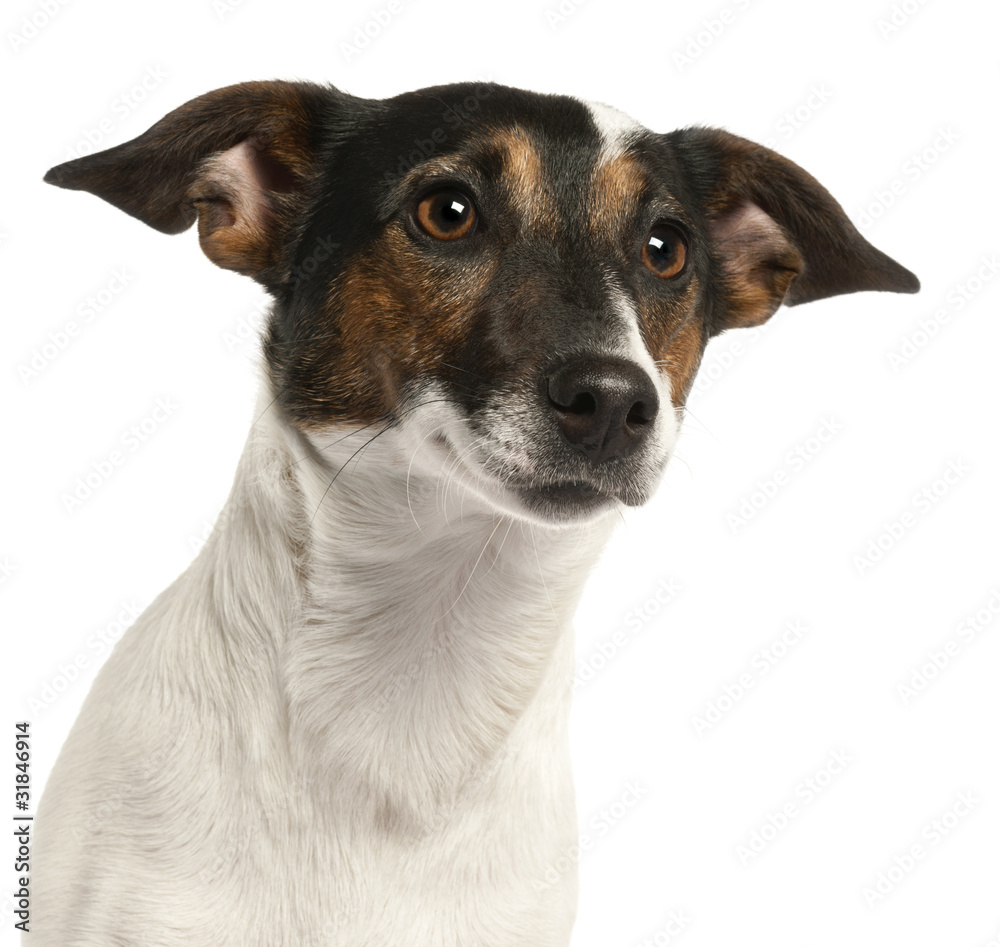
x=346, y=722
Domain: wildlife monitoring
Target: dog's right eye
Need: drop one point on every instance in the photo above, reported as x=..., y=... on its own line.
x=447, y=215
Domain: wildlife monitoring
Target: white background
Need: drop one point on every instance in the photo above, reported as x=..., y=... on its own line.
x=899, y=122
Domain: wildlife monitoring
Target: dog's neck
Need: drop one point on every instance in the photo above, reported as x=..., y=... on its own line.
x=410, y=628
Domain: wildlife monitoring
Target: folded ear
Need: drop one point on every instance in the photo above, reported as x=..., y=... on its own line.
x=777, y=233
x=237, y=159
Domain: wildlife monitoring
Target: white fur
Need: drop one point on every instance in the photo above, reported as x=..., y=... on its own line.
x=615, y=127
x=344, y=724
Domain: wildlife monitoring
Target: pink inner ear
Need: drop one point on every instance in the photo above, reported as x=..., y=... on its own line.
x=237, y=177
x=746, y=234
x=759, y=262
x=235, y=208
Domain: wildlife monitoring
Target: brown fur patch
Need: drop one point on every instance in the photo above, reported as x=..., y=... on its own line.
x=398, y=317
x=616, y=186
x=682, y=357
x=526, y=180
x=675, y=334
x=754, y=296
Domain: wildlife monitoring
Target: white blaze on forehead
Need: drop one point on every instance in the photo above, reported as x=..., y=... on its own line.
x=617, y=131
x=616, y=128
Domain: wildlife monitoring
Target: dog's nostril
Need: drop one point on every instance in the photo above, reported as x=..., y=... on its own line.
x=640, y=413
x=583, y=403
x=570, y=393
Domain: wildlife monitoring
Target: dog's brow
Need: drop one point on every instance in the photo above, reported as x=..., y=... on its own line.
x=525, y=176
x=402, y=189
x=620, y=181
x=506, y=153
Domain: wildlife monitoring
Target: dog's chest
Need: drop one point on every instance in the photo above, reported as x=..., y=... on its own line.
x=491, y=867
x=429, y=691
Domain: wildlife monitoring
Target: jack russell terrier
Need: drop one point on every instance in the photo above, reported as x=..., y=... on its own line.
x=346, y=722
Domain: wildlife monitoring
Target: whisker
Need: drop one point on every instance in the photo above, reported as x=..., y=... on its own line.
x=496, y=558
x=390, y=422
x=541, y=571
x=486, y=546
x=688, y=413
x=340, y=471
x=270, y=405
x=458, y=368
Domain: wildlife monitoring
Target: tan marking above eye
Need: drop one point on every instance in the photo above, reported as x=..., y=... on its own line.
x=447, y=214
x=665, y=251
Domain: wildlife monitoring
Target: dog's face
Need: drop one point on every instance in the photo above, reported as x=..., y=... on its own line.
x=519, y=287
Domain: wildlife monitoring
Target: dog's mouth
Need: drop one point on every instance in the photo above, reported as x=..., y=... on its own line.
x=569, y=491
x=537, y=489
x=514, y=460
x=566, y=500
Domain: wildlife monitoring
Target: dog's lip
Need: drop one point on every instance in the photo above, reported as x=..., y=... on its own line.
x=569, y=495
x=568, y=490
x=565, y=500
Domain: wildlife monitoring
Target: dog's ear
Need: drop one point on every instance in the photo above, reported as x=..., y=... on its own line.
x=237, y=159
x=777, y=233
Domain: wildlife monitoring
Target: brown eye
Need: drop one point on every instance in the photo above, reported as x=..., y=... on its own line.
x=665, y=251
x=447, y=215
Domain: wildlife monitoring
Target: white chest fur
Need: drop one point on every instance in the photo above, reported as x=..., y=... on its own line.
x=344, y=724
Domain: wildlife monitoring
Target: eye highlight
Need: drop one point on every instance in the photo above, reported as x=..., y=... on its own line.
x=665, y=251
x=447, y=214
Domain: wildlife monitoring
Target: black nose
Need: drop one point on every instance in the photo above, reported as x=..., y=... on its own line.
x=603, y=406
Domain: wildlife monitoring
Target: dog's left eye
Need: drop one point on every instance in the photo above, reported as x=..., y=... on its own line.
x=665, y=251
x=447, y=215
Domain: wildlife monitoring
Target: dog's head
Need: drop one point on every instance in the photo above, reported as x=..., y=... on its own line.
x=520, y=286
